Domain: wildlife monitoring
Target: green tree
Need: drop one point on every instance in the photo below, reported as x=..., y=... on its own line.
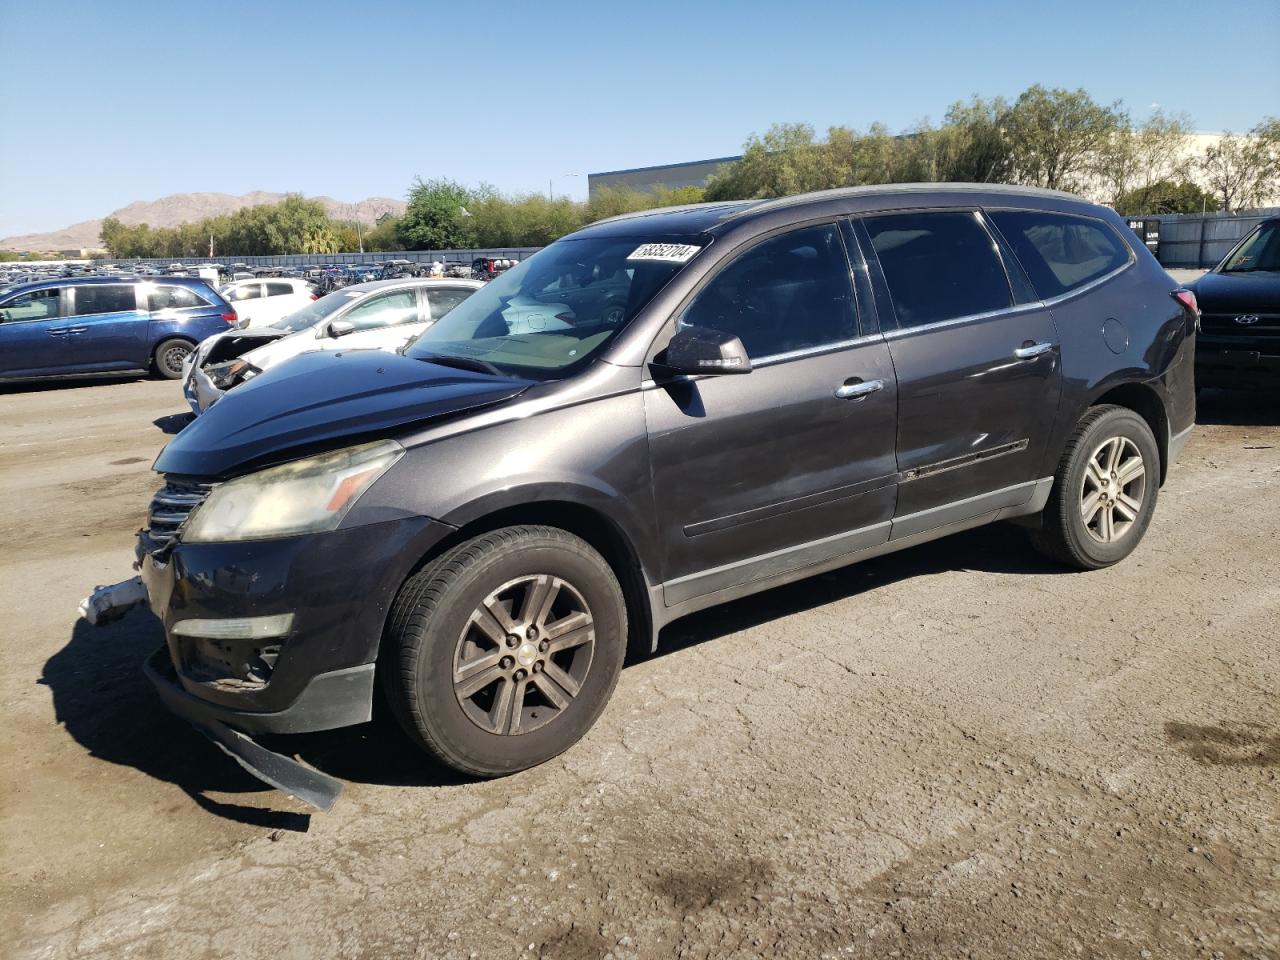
x=1135, y=159
x=384, y=236
x=1055, y=134
x=1165, y=196
x=434, y=219
x=1244, y=172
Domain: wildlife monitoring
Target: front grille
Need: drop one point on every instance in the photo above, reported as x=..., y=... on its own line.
x=1266, y=324
x=170, y=508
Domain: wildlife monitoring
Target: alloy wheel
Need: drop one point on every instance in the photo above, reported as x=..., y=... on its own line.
x=1112, y=491
x=523, y=655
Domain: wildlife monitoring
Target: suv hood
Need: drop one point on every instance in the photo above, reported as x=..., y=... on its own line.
x=1238, y=292
x=322, y=396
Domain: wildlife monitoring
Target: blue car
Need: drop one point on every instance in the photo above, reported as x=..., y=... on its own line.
x=106, y=326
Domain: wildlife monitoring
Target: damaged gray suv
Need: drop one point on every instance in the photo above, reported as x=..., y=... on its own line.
x=659, y=413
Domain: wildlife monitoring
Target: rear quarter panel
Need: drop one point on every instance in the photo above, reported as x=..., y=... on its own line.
x=1157, y=347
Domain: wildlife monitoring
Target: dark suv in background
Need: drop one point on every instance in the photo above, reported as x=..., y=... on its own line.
x=1240, y=314
x=99, y=326
x=483, y=522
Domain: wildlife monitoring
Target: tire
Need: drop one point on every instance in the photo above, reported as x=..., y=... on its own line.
x=444, y=636
x=1091, y=520
x=167, y=358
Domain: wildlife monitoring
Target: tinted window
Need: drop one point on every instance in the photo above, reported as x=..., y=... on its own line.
x=105, y=299
x=386, y=310
x=787, y=293
x=37, y=305
x=173, y=298
x=939, y=266
x=442, y=301
x=1060, y=252
x=279, y=289
x=244, y=291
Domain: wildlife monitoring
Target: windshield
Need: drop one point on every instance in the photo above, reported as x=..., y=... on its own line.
x=317, y=310
x=558, y=309
x=1260, y=251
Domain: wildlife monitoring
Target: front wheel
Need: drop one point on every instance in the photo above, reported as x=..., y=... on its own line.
x=503, y=651
x=169, y=357
x=1104, y=491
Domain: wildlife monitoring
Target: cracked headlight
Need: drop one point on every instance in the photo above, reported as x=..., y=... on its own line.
x=306, y=496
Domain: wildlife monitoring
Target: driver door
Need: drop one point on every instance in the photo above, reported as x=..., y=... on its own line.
x=32, y=337
x=384, y=321
x=793, y=463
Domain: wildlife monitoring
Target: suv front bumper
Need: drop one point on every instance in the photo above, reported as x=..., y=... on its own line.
x=338, y=586
x=1224, y=362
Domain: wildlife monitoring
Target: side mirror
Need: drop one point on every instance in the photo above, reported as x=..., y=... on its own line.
x=340, y=328
x=701, y=350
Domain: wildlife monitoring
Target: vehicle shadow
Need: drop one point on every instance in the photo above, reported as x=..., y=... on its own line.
x=1243, y=408
x=105, y=703
x=995, y=548
x=173, y=423
x=69, y=383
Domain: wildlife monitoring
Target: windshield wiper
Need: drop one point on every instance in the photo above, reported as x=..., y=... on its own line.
x=462, y=363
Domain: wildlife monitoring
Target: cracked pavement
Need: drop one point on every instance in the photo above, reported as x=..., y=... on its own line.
x=958, y=750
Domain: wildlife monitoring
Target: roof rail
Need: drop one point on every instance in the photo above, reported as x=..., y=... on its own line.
x=879, y=189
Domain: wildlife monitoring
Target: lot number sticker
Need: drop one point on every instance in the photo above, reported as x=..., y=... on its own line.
x=667, y=252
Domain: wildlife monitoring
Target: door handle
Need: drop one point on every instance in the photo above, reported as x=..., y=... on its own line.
x=76, y=329
x=853, y=391
x=59, y=331
x=1029, y=350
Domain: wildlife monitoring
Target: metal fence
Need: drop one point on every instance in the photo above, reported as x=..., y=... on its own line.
x=1190, y=240
x=314, y=259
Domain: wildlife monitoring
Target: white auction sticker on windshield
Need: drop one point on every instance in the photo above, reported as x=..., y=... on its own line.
x=667, y=252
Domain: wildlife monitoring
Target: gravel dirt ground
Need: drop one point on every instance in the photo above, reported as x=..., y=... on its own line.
x=959, y=750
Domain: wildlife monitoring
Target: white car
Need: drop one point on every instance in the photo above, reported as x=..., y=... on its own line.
x=262, y=302
x=381, y=315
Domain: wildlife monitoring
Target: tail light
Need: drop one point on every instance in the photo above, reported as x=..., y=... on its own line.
x=568, y=318
x=230, y=318
x=1188, y=300
x=315, y=297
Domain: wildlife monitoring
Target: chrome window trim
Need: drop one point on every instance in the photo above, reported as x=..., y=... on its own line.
x=1059, y=298
x=899, y=332
x=770, y=360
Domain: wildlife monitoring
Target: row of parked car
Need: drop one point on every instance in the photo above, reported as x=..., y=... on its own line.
x=476, y=497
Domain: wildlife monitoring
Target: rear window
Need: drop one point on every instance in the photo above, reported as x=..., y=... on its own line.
x=173, y=298
x=112, y=298
x=1061, y=252
x=939, y=266
x=279, y=289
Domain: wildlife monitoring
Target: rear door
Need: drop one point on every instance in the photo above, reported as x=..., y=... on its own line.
x=106, y=328
x=792, y=464
x=31, y=341
x=977, y=360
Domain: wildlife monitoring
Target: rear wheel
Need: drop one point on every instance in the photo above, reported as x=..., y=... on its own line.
x=505, y=650
x=169, y=356
x=1104, y=491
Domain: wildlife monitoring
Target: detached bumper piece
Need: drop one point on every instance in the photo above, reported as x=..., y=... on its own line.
x=284, y=773
x=113, y=602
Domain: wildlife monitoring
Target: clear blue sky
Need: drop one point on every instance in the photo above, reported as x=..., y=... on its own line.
x=105, y=103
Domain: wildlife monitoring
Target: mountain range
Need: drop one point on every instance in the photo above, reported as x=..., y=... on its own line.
x=187, y=208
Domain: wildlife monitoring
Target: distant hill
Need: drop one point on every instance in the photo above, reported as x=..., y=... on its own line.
x=187, y=208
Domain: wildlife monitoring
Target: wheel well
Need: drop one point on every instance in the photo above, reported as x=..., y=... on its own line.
x=593, y=527
x=1145, y=402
